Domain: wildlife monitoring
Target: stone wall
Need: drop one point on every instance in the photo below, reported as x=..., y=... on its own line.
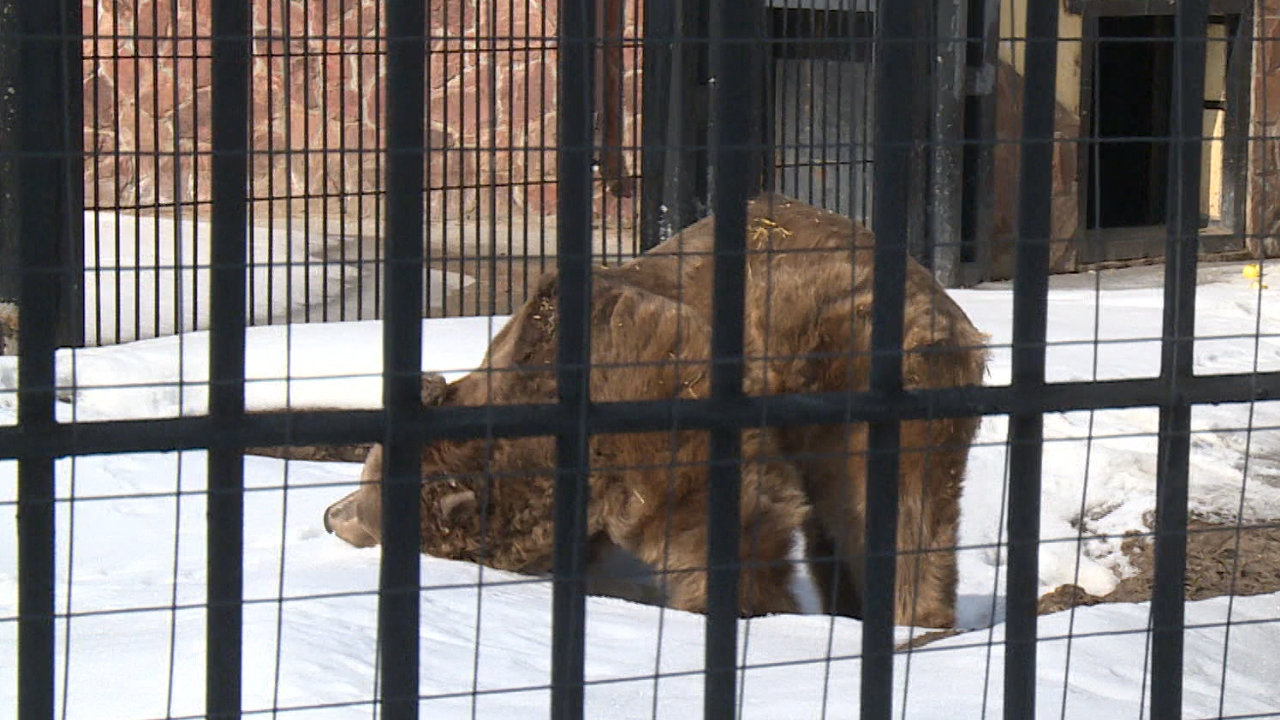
x=317, y=104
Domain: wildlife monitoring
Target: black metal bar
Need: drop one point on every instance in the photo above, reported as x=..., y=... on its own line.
x=978, y=212
x=734, y=136
x=1030, y=301
x=923, y=51
x=1239, y=99
x=357, y=426
x=10, y=172
x=230, y=143
x=659, y=49
x=685, y=157
x=1176, y=362
x=897, y=29
x=70, y=330
x=41, y=162
x=573, y=371
x=399, y=571
x=67, y=121
x=947, y=152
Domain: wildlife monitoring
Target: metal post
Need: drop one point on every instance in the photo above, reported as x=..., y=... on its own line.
x=230, y=140
x=947, y=152
x=1030, y=299
x=573, y=372
x=659, y=53
x=399, y=573
x=897, y=31
x=735, y=138
x=1176, y=361
x=40, y=162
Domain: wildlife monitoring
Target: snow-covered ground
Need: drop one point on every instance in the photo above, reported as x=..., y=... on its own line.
x=130, y=549
x=138, y=267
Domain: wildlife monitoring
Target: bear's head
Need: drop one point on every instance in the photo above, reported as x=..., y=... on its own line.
x=449, y=506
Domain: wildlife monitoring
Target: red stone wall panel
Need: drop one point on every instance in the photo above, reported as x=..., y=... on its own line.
x=317, y=100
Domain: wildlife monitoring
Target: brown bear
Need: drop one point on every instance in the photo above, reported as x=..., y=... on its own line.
x=808, y=314
x=808, y=320
x=492, y=501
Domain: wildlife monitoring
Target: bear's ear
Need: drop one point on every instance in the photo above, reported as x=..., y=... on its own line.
x=457, y=505
x=434, y=388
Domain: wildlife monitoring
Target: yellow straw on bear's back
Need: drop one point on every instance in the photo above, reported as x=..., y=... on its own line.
x=759, y=230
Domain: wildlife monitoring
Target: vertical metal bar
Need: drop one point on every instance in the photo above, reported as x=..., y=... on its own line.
x=896, y=29
x=70, y=331
x=980, y=131
x=684, y=188
x=659, y=48
x=734, y=146
x=573, y=373
x=230, y=136
x=1239, y=88
x=1176, y=361
x=947, y=152
x=575, y=95
x=399, y=581
x=10, y=278
x=917, y=208
x=41, y=197
x=1030, y=298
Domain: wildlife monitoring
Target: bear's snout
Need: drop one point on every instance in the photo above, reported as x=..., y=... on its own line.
x=342, y=520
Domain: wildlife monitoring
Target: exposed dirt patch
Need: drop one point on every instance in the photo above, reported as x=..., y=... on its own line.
x=928, y=637
x=1221, y=560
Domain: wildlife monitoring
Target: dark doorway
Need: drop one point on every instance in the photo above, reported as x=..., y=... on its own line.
x=1130, y=121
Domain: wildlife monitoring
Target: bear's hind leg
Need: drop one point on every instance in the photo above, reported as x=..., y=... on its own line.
x=679, y=557
x=933, y=465
x=832, y=572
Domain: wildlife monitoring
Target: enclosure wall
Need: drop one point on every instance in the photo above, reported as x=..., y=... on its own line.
x=318, y=104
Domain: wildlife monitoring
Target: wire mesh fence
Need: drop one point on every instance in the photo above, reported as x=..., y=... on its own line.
x=384, y=358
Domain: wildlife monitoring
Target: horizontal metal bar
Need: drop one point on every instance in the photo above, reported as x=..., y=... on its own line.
x=356, y=426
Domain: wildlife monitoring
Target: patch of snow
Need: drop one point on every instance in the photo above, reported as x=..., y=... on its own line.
x=148, y=276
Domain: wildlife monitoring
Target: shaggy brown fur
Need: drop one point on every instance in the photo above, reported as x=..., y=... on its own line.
x=492, y=502
x=9, y=328
x=808, y=311
x=313, y=453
